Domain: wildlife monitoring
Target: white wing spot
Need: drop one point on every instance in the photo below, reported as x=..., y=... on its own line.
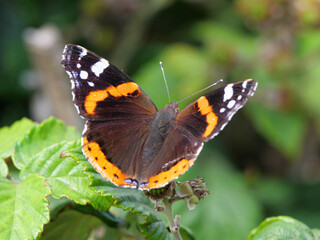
x=99, y=67
x=239, y=97
x=223, y=125
x=222, y=110
x=84, y=129
x=65, y=48
x=73, y=96
x=69, y=73
x=231, y=115
x=244, y=86
x=77, y=108
x=78, y=65
x=215, y=134
x=199, y=149
x=228, y=92
x=64, y=52
x=82, y=54
x=83, y=74
x=91, y=84
x=72, y=84
x=231, y=104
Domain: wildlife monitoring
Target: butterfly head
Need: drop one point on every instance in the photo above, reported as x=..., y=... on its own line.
x=171, y=109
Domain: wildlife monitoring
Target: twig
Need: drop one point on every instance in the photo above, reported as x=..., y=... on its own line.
x=173, y=222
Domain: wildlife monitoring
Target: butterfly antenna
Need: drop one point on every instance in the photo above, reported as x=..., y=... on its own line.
x=165, y=81
x=201, y=90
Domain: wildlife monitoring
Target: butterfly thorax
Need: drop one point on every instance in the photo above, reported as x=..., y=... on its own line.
x=162, y=120
x=159, y=128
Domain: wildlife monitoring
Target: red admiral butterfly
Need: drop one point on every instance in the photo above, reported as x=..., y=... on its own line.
x=126, y=139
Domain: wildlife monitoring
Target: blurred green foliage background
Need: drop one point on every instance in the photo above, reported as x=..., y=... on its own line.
x=266, y=162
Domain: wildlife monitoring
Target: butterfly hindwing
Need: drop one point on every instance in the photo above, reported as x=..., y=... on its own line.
x=117, y=153
x=207, y=116
x=113, y=148
x=97, y=86
x=178, y=153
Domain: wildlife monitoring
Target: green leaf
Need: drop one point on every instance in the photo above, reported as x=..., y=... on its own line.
x=65, y=175
x=57, y=205
x=23, y=207
x=105, y=216
x=134, y=201
x=3, y=168
x=49, y=132
x=281, y=228
x=153, y=227
x=71, y=225
x=10, y=135
x=186, y=233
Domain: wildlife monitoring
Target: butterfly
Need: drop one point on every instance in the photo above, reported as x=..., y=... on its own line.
x=126, y=139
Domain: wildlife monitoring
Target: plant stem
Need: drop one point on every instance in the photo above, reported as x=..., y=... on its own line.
x=174, y=226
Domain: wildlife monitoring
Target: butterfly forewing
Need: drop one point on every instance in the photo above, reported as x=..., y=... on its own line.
x=207, y=116
x=97, y=86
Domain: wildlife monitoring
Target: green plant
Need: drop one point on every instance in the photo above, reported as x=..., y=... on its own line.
x=47, y=165
x=47, y=187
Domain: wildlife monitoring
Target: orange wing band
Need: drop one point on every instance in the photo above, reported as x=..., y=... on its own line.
x=206, y=109
x=122, y=90
x=92, y=99
x=163, y=178
x=99, y=161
